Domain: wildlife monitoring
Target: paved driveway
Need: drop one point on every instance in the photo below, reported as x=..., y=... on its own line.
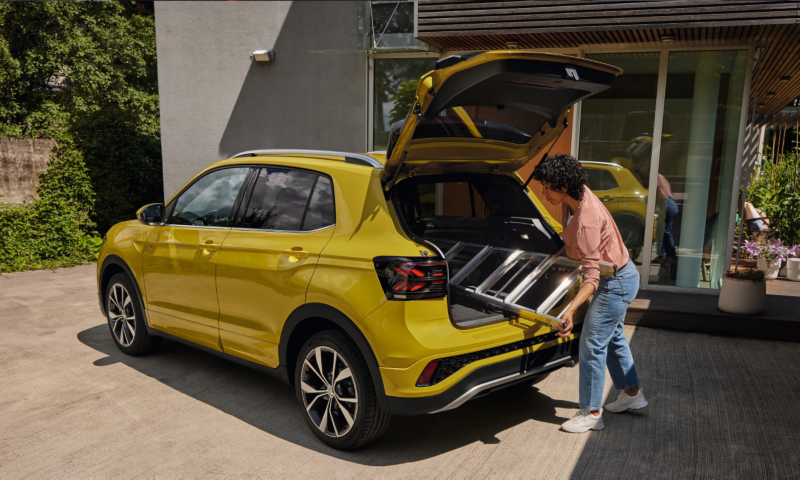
x=71, y=405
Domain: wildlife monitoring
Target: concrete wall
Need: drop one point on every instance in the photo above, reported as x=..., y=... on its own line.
x=216, y=101
x=21, y=162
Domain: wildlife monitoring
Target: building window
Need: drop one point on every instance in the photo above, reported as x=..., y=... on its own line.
x=395, y=89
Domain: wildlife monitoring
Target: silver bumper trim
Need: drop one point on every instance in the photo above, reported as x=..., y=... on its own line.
x=497, y=382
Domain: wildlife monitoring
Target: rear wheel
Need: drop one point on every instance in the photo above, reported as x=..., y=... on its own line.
x=126, y=319
x=334, y=387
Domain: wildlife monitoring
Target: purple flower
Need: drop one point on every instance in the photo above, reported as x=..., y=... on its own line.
x=752, y=248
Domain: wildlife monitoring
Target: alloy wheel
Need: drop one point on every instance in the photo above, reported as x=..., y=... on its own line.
x=121, y=315
x=329, y=391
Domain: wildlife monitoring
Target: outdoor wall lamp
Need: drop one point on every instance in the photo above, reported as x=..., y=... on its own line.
x=512, y=44
x=770, y=94
x=263, y=56
x=667, y=38
x=761, y=105
x=785, y=78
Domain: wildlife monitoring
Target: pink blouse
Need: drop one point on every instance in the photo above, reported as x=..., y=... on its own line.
x=592, y=237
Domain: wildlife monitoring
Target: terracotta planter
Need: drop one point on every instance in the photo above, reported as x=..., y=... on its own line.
x=742, y=297
x=771, y=271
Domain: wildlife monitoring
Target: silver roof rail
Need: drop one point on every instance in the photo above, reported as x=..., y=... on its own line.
x=365, y=158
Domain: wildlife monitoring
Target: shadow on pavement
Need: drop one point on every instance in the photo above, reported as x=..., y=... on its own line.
x=271, y=406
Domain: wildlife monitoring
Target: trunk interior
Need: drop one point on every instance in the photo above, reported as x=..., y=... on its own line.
x=464, y=213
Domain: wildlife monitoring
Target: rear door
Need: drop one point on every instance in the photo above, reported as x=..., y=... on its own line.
x=267, y=259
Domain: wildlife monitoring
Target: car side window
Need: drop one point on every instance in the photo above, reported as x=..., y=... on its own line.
x=609, y=181
x=595, y=179
x=209, y=201
x=321, y=212
x=281, y=197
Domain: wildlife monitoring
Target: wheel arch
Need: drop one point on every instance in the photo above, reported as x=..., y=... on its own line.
x=311, y=318
x=112, y=265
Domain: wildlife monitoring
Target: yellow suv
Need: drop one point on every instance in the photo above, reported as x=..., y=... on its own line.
x=389, y=284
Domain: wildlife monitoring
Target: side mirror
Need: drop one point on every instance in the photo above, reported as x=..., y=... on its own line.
x=152, y=214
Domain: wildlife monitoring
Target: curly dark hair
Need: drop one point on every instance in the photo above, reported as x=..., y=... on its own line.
x=562, y=173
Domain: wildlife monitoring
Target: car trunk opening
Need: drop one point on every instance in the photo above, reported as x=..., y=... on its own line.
x=497, y=244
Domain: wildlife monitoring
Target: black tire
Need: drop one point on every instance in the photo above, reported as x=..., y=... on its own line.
x=121, y=296
x=368, y=421
x=631, y=229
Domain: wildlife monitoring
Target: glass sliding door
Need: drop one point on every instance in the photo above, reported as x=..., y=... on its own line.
x=702, y=109
x=395, y=89
x=615, y=143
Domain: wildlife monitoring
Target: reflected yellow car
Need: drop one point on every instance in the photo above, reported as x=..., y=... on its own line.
x=376, y=285
x=624, y=196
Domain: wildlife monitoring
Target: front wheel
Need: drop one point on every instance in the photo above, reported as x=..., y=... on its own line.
x=334, y=387
x=126, y=319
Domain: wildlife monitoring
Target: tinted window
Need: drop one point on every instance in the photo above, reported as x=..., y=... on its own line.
x=320, y=209
x=279, y=199
x=209, y=201
x=600, y=180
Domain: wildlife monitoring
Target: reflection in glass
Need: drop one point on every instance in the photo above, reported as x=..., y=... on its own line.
x=396, y=82
x=615, y=143
x=209, y=200
x=695, y=175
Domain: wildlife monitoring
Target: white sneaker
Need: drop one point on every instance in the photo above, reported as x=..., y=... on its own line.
x=627, y=402
x=583, y=421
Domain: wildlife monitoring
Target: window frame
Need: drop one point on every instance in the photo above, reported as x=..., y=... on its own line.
x=250, y=187
x=170, y=207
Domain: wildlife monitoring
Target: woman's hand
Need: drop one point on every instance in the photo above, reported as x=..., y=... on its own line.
x=565, y=329
x=561, y=252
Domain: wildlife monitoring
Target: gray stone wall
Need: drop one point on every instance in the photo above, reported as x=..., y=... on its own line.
x=216, y=101
x=21, y=162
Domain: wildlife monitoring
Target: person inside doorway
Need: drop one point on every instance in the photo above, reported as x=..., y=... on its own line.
x=591, y=237
x=668, y=255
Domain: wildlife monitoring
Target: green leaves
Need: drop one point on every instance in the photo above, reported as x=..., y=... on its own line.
x=83, y=73
x=774, y=189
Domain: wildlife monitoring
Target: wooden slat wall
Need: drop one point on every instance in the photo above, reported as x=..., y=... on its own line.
x=775, y=26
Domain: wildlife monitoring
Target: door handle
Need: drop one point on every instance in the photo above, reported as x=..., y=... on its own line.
x=607, y=199
x=209, y=247
x=296, y=252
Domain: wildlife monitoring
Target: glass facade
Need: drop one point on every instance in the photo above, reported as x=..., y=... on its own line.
x=702, y=110
x=615, y=143
x=395, y=89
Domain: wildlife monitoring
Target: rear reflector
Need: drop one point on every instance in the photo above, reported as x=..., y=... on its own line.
x=427, y=374
x=405, y=278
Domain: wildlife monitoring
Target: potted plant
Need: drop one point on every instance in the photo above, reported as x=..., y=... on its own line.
x=743, y=293
x=770, y=254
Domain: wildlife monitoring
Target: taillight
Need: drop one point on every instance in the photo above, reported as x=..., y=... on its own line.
x=404, y=278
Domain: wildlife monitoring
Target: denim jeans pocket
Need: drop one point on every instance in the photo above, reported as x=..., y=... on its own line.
x=629, y=287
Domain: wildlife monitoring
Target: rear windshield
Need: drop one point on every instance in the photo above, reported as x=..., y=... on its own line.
x=498, y=122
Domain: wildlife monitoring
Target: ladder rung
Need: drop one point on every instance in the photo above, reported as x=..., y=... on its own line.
x=513, y=277
x=471, y=265
x=560, y=291
x=454, y=250
x=507, y=264
x=530, y=280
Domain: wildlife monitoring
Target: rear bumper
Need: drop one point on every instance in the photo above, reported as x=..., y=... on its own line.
x=489, y=378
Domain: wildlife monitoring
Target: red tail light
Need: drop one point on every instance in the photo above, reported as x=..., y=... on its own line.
x=405, y=278
x=427, y=374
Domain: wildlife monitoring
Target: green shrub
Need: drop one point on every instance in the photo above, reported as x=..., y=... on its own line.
x=56, y=229
x=774, y=189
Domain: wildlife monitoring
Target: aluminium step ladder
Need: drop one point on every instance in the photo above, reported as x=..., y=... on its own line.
x=506, y=297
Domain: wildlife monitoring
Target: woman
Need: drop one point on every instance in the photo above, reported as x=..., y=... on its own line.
x=591, y=237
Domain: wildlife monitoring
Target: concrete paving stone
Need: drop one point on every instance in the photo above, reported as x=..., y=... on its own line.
x=73, y=406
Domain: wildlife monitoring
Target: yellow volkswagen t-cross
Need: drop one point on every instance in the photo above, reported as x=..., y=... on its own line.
x=402, y=283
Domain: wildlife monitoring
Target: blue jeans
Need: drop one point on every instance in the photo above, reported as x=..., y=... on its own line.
x=668, y=243
x=603, y=343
